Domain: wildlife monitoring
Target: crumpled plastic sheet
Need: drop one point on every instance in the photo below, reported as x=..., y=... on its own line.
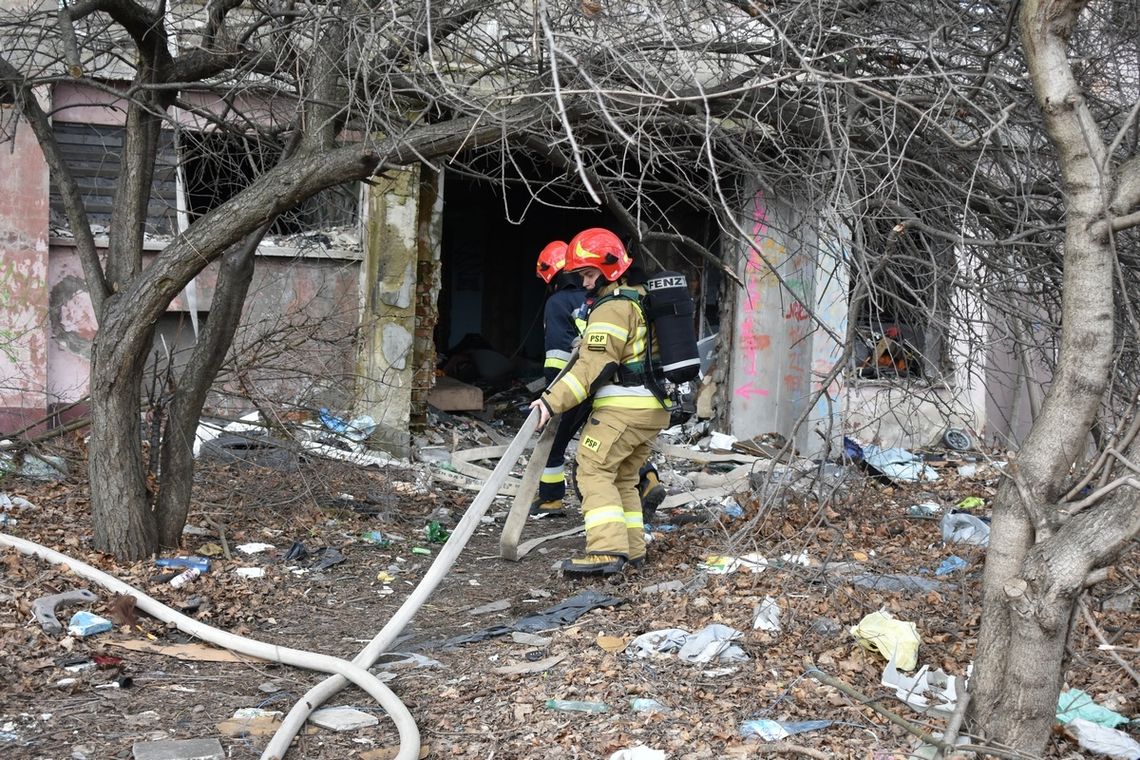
x=896, y=582
x=775, y=730
x=897, y=639
x=898, y=464
x=561, y=614
x=1105, y=741
x=713, y=642
x=1074, y=704
x=961, y=528
x=640, y=752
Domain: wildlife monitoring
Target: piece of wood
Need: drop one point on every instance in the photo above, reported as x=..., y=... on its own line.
x=198, y=652
x=525, y=547
x=704, y=457
x=451, y=395
x=520, y=508
x=464, y=463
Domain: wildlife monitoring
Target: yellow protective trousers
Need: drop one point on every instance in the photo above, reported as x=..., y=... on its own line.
x=614, y=444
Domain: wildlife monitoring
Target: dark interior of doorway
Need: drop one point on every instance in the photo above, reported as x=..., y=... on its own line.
x=490, y=298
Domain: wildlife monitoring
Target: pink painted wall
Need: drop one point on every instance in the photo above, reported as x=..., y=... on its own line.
x=23, y=280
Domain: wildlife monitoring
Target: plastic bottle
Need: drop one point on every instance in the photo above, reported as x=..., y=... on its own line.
x=569, y=705
x=185, y=577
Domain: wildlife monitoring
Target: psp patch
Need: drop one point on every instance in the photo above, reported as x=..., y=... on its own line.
x=593, y=444
x=597, y=341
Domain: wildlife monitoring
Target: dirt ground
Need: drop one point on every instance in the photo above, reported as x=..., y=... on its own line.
x=464, y=706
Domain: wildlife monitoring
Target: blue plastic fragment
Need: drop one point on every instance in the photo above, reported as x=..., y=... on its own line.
x=200, y=563
x=774, y=730
x=84, y=623
x=950, y=565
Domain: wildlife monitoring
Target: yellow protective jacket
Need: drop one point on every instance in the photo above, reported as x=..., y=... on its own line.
x=613, y=343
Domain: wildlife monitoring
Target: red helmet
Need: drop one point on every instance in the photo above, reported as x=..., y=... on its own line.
x=600, y=249
x=551, y=260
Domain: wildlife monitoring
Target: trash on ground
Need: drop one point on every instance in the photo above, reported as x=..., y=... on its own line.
x=646, y=705
x=184, y=577
x=774, y=730
x=1103, y=740
x=928, y=691
x=251, y=721
x=196, y=652
x=530, y=668
x=971, y=502
x=766, y=616
x=898, y=464
x=721, y=442
x=571, y=705
x=722, y=565
x=375, y=537
x=612, y=644
x=421, y=551
x=84, y=623
x=713, y=642
x=199, y=749
x=529, y=639
x=343, y=718
x=951, y=564
x=296, y=552
x=960, y=528
x=658, y=588
x=897, y=582
x=897, y=639
x=968, y=470
x=563, y=613
x=957, y=439
x=496, y=606
x=327, y=557
x=640, y=752
x=255, y=547
x=925, y=509
x=250, y=572
x=1074, y=703
x=434, y=533
x=43, y=609
x=355, y=430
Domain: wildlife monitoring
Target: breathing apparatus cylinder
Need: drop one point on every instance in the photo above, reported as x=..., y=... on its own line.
x=669, y=310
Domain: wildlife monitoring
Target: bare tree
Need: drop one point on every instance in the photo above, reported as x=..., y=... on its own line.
x=911, y=131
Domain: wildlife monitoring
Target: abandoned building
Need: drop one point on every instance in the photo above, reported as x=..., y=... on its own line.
x=369, y=298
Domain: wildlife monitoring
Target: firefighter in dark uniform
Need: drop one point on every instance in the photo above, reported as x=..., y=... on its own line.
x=563, y=320
x=626, y=415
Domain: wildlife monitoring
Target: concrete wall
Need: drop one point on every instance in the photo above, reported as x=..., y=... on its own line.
x=23, y=280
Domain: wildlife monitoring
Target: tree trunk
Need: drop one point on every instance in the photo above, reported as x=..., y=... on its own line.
x=124, y=523
x=176, y=474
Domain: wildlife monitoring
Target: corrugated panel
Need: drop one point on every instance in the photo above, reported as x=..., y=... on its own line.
x=92, y=152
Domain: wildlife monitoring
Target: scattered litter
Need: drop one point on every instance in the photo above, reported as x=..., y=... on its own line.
x=1103, y=740
x=640, y=752
x=925, y=509
x=497, y=606
x=529, y=668
x=730, y=508
x=766, y=616
x=434, y=533
x=564, y=613
x=34, y=466
x=957, y=439
x=184, y=577
x=1074, y=704
x=721, y=443
x=343, y=718
x=251, y=721
x=385, y=577
x=713, y=642
x=971, y=502
x=197, y=652
x=529, y=639
x=968, y=470
x=167, y=749
x=928, y=691
x=421, y=550
x=296, y=552
x=645, y=705
x=355, y=430
x=570, y=705
x=84, y=623
x=254, y=548
x=722, y=565
x=718, y=672
x=658, y=588
x=43, y=609
x=898, y=464
x=892, y=638
x=327, y=558
x=774, y=730
x=250, y=572
x=959, y=528
x=612, y=644
x=895, y=582
x=951, y=564
x=201, y=563
x=375, y=537
x=802, y=559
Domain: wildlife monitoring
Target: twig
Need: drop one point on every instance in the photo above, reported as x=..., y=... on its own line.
x=218, y=526
x=790, y=749
x=1105, y=646
x=950, y=735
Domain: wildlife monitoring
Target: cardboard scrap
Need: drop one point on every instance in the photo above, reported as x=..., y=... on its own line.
x=199, y=652
x=529, y=668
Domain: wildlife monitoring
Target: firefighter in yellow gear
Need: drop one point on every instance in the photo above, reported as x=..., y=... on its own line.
x=626, y=414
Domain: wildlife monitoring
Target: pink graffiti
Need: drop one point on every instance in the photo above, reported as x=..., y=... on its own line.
x=747, y=391
x=753, y=276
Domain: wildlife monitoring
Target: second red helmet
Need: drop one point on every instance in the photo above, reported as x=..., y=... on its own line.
x=551, y=261
x=598, y=248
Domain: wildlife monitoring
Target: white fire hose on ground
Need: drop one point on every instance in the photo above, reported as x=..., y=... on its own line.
x=343, y=671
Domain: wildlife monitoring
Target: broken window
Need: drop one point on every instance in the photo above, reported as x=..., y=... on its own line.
x=896, y=308
x=93, y=153
x=217, y=166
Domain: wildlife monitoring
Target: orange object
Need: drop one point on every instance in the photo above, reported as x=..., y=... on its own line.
x=551, y=260
x=598, y=248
